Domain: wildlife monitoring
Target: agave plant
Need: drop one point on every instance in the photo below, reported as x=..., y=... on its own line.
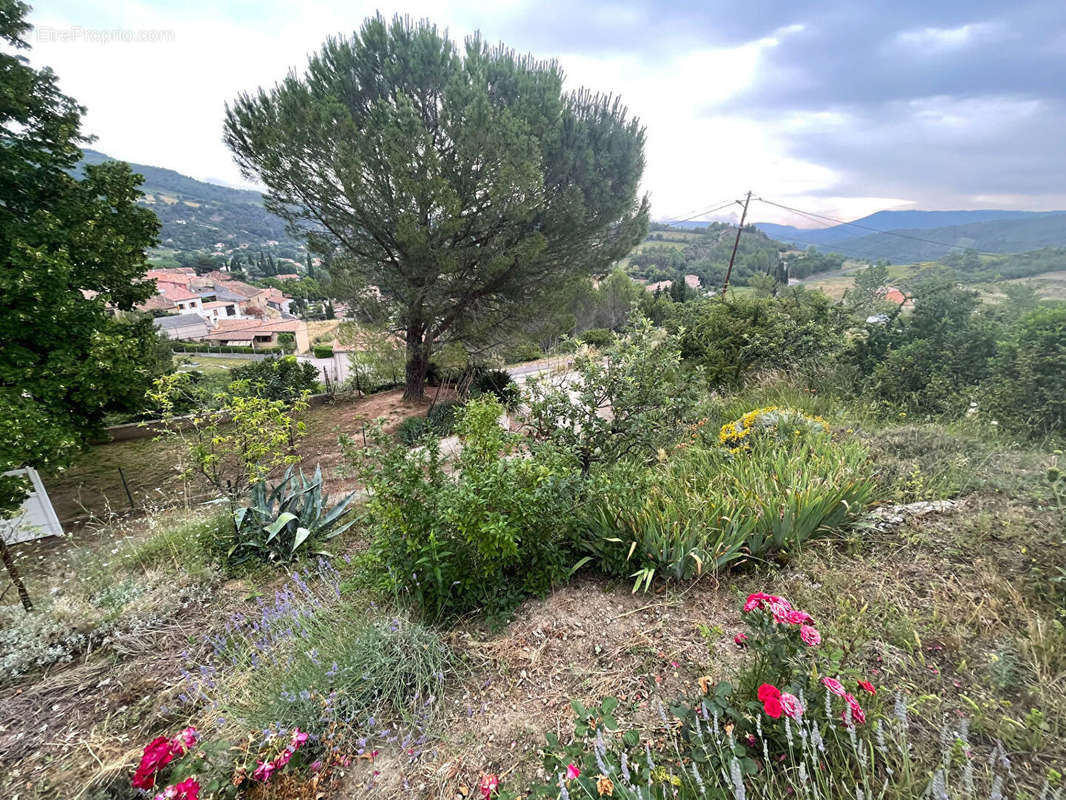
x=281, y=520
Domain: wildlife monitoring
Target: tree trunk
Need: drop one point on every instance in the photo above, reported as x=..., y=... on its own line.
x=16, y=579
x=417, y=364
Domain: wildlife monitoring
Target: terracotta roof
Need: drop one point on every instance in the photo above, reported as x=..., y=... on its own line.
x=176, y=293
x=288, y=276
x=236, y=324
x=890, y=294
x=692, y=281
x=282, y=326
x=219, y=304
x=654, y=287
x=240, y=287
x=156, y=302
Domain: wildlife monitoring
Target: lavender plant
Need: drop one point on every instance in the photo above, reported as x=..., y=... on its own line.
x=307, y=660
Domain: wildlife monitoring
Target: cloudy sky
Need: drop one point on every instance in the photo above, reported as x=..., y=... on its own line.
x=842, y=107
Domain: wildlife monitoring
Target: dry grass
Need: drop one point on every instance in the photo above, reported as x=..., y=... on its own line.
x=92, y=489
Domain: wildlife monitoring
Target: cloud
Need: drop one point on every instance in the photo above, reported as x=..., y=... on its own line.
x=831, y=105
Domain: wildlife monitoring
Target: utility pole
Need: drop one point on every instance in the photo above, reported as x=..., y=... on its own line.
x=736, y=242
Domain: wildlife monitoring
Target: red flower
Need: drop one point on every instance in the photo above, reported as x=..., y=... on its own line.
x=741, y=640
x=157, y=755
x=795, y=617
x=835, y=686
x=772, y=706
x=768, y=690
x=810, y=636
x=867, y=687
x=488, y=785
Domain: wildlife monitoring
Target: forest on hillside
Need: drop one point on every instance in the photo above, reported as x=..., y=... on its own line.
x=705, y=252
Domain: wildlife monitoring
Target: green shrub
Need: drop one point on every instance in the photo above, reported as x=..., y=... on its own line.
x=931, y=360
x=521, y=352
x=439, y=422
x=322, y=350
x=738, y=336
x=598, y=337
x=284, y=522
x=442, y=417
x=283, y=378
x=412, y=430
x=499, y=383
x=700, y=508
x=484, y=536
x=1027, y=389
x=627, y=402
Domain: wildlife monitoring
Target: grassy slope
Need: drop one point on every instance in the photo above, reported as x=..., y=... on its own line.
x=959, y=610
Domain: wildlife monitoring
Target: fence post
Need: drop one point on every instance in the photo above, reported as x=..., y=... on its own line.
x=126, y=486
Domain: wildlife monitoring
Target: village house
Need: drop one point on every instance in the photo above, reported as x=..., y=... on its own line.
x=259, y=333
x=182, y=326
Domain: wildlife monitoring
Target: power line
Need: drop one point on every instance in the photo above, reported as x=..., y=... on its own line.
x=707, y=211
x=823, y=218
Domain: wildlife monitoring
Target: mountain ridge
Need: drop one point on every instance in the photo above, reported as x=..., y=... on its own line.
x=199, y=215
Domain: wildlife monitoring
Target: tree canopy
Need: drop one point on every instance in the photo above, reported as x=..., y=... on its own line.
x=462, y=182
x=72, y=250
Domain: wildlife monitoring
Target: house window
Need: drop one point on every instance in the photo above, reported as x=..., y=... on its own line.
x=231, y=311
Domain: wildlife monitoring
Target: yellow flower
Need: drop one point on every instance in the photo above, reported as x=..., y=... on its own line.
x=604, y=786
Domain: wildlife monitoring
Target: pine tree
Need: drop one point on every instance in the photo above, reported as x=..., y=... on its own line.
x=463, y=183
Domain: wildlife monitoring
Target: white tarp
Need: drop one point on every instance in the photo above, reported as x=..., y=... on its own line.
x=36, y=519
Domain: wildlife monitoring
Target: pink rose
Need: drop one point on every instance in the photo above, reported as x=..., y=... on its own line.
x=188, y=789
x=857, y=714
x=489, y=783
x=185, y=740
x=741, y=640
x=810, y=636
x=762, y=600
x=572, y=772
x=779, y=611
x=283, y=758
x=263, y=772
x=754, y=601
x=795, y=617
x=790, y=704
x=835, y=686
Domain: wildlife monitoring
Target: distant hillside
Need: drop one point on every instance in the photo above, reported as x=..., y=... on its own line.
x=991, y=231
x=670, y=252
x=196, y=216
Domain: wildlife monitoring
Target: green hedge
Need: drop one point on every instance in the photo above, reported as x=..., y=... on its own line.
x=196, y=347
x=323, y=351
